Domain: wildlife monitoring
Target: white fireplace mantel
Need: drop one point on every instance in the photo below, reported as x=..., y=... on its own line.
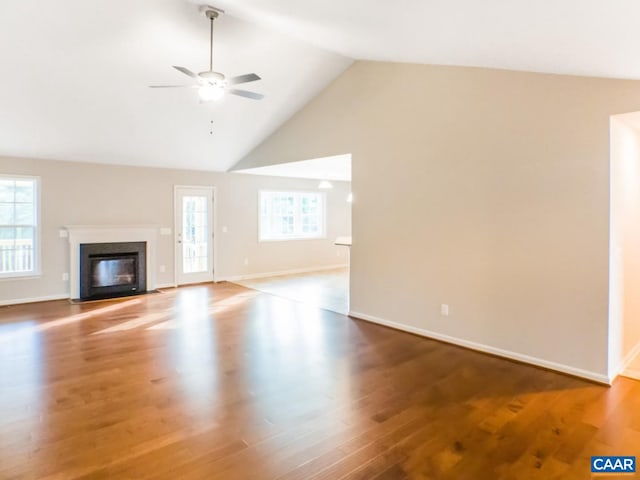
x=79, y=234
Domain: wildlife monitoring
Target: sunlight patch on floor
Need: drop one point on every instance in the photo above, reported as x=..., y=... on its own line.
x=136, y=322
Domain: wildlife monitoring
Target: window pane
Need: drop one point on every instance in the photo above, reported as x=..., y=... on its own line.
x=25, y=233
x=24, y=191
x=291, y=215
x=16, y=250
x=7, y=214
x=7, y=233
x=6, y=190
x=17, y=207
x=194, y=234
x=24, y=214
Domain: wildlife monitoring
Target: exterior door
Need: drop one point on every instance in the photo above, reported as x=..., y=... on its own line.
x=194, y=234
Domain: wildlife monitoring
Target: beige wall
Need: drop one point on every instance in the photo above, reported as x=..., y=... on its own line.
x=625, y=241
x=486, y=190
x=92, y=194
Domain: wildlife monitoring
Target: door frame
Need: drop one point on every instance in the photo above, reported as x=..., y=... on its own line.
x=214, y=229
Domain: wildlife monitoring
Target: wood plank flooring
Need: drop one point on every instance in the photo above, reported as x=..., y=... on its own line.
x=328, y=289
x=223, y=382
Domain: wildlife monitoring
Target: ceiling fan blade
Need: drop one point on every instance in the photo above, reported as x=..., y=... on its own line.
x=249, y=77
x=186, y=71
x=247, y=94
x=171, y=86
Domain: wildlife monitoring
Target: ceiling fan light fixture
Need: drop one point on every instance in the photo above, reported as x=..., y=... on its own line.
x=210, y=92
x=212, y=85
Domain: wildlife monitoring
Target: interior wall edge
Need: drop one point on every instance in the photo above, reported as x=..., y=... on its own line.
x=623, y=367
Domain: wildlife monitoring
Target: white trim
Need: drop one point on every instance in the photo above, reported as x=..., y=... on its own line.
x=578, y=372
x=46, y=298
x=165, y=285
x=252, y=276
x=631, y=373
x=624, y=365
x=79, y=234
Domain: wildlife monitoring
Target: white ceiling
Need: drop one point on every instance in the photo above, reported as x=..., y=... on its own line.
x=74, y=73
x=337, y=167
x=582, y=37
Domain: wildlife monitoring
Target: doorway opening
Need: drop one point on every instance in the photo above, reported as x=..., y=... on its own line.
x=624, y=246
x=194, y=238
x=324, y=284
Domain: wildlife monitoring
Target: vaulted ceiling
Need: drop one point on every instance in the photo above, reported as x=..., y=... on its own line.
x=74, y=77
x=74, y=74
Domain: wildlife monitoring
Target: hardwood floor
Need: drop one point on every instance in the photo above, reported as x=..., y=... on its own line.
x=222, y=382
x=328, y=289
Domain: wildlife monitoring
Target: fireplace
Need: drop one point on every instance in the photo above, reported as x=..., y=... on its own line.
x=112, y=269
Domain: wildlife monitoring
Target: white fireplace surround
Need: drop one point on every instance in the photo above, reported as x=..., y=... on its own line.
x=79, y=234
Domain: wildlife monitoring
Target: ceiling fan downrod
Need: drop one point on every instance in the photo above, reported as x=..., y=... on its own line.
x=212, y=15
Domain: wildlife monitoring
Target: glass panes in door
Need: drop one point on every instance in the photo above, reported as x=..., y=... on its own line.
x=195, y=234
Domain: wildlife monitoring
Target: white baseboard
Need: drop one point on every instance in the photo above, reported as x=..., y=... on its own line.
x=60, y=296
x=631, y=373
x=253, y=276
x=47, y=298
x=624, y=365
x=578, y=372
x=165, y=285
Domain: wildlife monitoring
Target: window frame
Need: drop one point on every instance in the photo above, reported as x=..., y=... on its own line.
x=37, y=270
x=297, y=215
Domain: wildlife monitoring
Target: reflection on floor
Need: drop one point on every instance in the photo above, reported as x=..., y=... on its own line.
x=328, y=289
x=220, y=382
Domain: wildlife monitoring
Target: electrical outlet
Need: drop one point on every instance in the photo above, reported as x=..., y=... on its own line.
x=163, y=268
x=246, y=262
x=225, y=229
x=65, y=277
x=444, y=310
x=63, y=233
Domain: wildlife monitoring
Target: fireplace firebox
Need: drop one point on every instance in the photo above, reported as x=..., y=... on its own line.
x=112, y=269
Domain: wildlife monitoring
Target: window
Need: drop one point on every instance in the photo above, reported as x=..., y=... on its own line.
x=18, y=226
x=291, y=215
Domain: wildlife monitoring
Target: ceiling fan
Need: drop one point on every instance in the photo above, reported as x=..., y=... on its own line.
x=212, y=85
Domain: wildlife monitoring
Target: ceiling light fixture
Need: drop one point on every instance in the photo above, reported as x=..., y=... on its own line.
x=210, y=92
x=325, y=185
x=212, y=85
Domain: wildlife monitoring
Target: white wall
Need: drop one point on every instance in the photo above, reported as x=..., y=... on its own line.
x=624, y=305
x=90, y=194
x=487, y=190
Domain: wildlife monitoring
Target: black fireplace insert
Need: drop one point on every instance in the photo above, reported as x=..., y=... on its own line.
x=112, y=269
